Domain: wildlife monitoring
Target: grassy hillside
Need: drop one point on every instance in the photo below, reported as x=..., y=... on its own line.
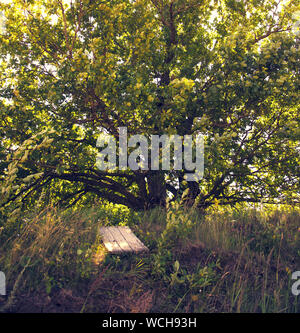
x=230, y=260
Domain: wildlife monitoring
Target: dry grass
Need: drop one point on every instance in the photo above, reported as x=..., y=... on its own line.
x=231, y=260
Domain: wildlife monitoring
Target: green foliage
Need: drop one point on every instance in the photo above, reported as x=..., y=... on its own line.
x=227, y=69
x=53, y=251
x=177, y=229
x=231, y=260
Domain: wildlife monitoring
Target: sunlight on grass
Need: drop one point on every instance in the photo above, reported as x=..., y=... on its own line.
x=228, y=260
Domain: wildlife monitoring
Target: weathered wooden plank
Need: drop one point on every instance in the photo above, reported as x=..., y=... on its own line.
x=133, y=241
x=121, y=239
x=109, y=242
x=118, y=237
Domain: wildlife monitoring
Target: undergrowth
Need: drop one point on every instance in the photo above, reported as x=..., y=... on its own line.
x=229, y=260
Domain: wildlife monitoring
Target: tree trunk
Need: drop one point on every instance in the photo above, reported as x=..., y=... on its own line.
x=192, y=194
x=157, y=192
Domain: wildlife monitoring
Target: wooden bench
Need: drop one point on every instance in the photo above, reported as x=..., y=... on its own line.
x=119, y=240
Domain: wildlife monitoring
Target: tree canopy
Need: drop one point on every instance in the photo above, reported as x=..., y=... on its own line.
x=228, y=69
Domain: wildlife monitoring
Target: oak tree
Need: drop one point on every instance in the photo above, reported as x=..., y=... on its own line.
x=228, y=69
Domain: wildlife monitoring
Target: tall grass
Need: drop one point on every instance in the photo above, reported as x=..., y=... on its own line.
x=257, y=250
x=229, y=260
x=53, y=249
